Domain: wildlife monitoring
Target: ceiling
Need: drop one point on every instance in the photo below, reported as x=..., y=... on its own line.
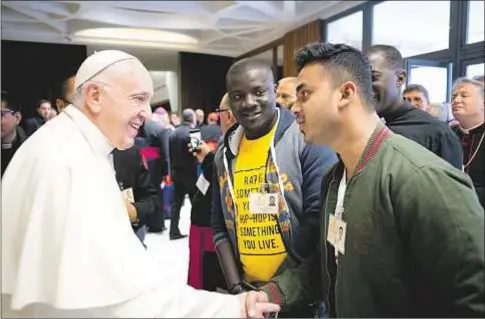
x=228, y=28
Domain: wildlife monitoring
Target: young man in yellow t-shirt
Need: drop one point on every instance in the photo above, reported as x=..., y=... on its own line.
x=267, y=189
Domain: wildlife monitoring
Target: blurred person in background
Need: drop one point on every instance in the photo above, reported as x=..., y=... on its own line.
x=388, y=79
x=418, y=96
x=52, y=114
x=156, y=133
x=200, y=117
x=439, y=111
x=211, y=131
x=468, y=107
x=175, y=119
x=12, y=134
x=226, y=116
x=183, y=169
x=32, y=124
x=67, y=90
x=286, y=92
x=161, y=116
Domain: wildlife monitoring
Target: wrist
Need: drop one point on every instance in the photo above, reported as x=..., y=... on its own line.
x=242, y=304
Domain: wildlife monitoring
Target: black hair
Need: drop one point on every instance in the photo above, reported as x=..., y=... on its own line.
x=188, y=115
x=42, y=101
x=418, y=88
x=392, y=56
x=343, y=62
x=64, y=88
x=246, y=64
x=4, y=96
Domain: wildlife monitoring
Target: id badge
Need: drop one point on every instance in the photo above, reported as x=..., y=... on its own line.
x=263, y=203
x=341, y=232
x=337, y=231
x=202, y=184
x=128, y=195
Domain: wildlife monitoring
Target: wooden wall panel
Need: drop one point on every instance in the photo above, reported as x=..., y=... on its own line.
x=296, y=39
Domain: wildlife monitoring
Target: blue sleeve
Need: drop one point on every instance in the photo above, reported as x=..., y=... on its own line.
x=316, y=161
x=219, y=230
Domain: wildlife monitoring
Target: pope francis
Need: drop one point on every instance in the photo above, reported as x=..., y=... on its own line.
x=68, y=249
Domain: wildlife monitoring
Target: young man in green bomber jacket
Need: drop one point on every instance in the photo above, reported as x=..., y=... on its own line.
x=412, y=227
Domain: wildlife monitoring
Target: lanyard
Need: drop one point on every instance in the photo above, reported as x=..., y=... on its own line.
x=339, y=209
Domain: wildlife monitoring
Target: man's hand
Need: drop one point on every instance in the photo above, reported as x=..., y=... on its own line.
x=255, y=304
x=200, y=152
x=132, y=213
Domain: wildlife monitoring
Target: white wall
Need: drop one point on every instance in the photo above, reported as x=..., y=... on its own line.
x=165, y=84
x=172, y=81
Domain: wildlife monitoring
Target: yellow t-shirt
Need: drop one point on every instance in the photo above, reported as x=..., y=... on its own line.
x=261, y=247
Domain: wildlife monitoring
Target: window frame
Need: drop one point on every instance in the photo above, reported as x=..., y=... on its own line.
x=458, y=52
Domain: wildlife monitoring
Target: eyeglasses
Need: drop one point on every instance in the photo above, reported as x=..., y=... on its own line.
x=221, y=111
x=5, y=112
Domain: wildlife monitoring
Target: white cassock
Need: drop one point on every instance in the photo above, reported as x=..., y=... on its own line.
x=68, y=249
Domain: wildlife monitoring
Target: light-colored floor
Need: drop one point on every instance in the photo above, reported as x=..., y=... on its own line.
x=173, y=256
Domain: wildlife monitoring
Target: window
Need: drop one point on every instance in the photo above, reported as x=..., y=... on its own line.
x=347, y=30
x=413, y=27
x=475, y=69
x=433, y=78
x=476, y=20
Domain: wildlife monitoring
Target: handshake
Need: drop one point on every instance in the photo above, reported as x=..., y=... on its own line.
x=255, y=304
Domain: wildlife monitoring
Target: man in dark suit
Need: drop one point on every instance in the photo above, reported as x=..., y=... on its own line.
x=134, y=181
x=156, y=152
x=212, y=131
x=34, y=123
x=183, y=170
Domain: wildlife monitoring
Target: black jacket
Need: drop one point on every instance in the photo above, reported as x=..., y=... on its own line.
x=202, y=204
x=131, y=173
x=182, y=163
x=474, y=157
x=32, y=124
x=211, y=132
x=8, y=150
x=426, y=130
x=157, y=136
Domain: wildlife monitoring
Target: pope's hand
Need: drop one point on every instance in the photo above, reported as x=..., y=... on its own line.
x=132, y=213
x=255, y=304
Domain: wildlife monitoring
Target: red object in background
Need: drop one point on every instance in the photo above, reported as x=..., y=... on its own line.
x=212, y=145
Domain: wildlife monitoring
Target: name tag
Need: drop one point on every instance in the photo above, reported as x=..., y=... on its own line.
x=202, y=184
x=337, y=231
x=263, y=203
x=128, y=195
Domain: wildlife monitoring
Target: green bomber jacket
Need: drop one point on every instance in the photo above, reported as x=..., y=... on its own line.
x=414, y=241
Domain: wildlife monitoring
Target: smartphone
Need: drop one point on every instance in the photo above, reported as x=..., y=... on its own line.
x=195, y=138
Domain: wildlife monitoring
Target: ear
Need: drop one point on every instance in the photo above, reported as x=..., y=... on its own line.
x=401, y=78
x=18, y=118
x=92, y=92
x=348, y=92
